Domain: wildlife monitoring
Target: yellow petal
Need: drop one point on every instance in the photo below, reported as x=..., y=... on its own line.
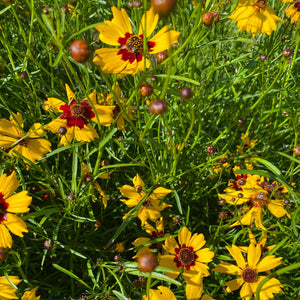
x=194, y=289
x=68, y=137
x=148, y=22
x=167, y=261
x=36, y=131
x=268, y=263
x=246, y=292
x=71, y=96
x=30, y=295
x=85, y=134
x=5, y=237
x=237, y=255
x=160, y=192
x=15, y=225
x=234, y=284
x=6, y=141
x=110, y=33
x=17, y=119
x=56, y=124
x=18, y=203
x=109, y=61
x=227, y=268
x=8, y=184
x=184, y=236
x=197, y=241
x=164, y=39
x=254, y=254
x=277, y=209
x=53, y=104
x=170, y=245
x=121, y=19
x=9, y=129
x=130, y=192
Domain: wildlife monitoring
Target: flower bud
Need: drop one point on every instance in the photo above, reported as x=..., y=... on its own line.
x=147, y=262
x=158, y=107
x=80, y=50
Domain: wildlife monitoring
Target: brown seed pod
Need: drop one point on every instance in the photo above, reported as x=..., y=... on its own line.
x=297, y=150
x=158, y=107
x=208, y=19
x=211, y=149
x=146, y=89
x=80, y=50
x=161, y=56
x=147, y=262
x=163, y=7
x=186, y=93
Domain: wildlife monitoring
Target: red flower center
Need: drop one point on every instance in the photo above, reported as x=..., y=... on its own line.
x=77, y=114
x=297, y=5
x=260, y=199
x=249, y=275
x=185, y=257
x=147, y=202
x=132, y=47
x=3, y=208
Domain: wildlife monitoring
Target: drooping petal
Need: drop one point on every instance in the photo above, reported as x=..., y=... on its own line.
x=36, y=131
x=194, y=289
x=246, y=292
x=30, y=295
x=159, y=193
x=6, y=141
x=205, y=255
x=15, y=225
x=227, y=268
x=277, y=209
x=167, y=261
x=56, y=124
x=5, y=237
x=234, y=284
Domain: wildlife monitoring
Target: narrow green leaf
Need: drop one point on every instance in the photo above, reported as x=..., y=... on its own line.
x=119, y=295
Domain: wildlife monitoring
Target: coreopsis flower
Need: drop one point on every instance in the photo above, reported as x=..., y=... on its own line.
x=255, y=17
x=218, y=166
x=7, y=291
x=155, y=233
x=88, y=176
x=151, y=207
x=247, y=143
x=256, y=201
x=248, y=272
x=10, y=204
x=189, y=256
x=118, y=112
x=30, y=295
x=74, y=121
x=129, y=57
x=30, y=144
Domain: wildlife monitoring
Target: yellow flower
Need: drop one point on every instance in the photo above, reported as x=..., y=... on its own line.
x=255, y=17
x=247, y=143
x=6, y=290
x=129, y=58
x=88, y=176
x=155, y=233
x=118, y=112
x=189, y=256
x=75, y=118
x=151, y=207
x=293, y=11
x=30, y=295
x=9, y=204
x=161, y=293
x=30, y=144
x=248, y=271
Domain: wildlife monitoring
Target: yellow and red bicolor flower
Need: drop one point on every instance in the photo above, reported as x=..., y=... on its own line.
x=128, y=57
